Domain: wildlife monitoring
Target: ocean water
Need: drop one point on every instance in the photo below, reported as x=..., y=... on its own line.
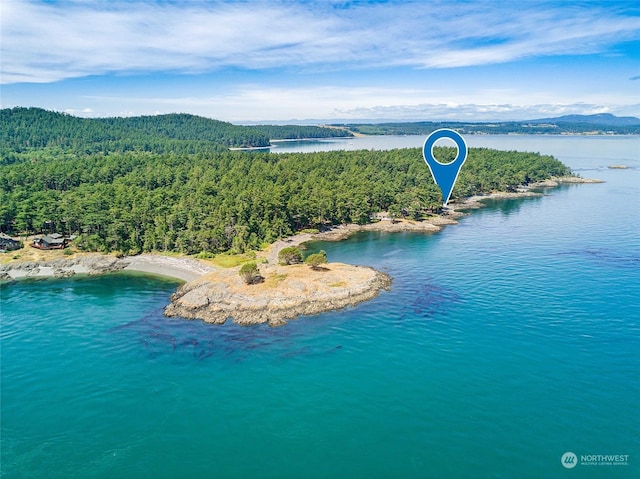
x=506, y=341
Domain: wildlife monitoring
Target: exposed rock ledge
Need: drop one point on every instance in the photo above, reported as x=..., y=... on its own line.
x=556, y=180
x=185, y=269
x=292, y=291
x=286, y=293
x=433, y=224
x=90, y=264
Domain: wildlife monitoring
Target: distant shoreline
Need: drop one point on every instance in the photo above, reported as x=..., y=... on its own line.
x=290, y=140
x=432, y=224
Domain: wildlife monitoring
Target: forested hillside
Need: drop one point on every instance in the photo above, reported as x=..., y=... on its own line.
x=135, y=201
x=28, y=133
x=23, y=130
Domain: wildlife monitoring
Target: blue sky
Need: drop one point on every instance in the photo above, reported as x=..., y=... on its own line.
x=243, y=61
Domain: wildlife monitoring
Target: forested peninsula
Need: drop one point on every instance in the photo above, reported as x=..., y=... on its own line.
x=141, y=189
x=170, y=183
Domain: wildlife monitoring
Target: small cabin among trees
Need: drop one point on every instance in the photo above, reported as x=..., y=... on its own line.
x=7, y=243
x=51, y=241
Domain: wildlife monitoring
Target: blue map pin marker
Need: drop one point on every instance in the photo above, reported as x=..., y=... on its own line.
x=445, y=174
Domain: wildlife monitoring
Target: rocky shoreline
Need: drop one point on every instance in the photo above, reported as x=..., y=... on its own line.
x=217, y=294
x=429, y=225
x=287, y=293
x=92, y=264
x=89, y=264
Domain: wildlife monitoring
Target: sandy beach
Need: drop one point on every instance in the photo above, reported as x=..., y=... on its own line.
x=32, y=263
x=186, y=269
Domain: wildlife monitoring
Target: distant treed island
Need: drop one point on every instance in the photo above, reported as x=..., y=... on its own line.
x=599, y=124
x=170, y=183
x=44, y=132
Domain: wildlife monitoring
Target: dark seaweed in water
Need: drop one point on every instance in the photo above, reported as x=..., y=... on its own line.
x=161, y=336
x=606, y=257
x=429, y=299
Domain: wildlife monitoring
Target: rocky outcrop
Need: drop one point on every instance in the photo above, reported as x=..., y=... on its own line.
x=286, y=293
x=557, y=180
x=94, y=263
x=90, y=264
x=430, y=225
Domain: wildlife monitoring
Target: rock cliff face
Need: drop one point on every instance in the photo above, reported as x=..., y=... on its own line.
x=286, y=293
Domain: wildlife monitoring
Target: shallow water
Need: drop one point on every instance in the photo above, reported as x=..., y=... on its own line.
x=506, y=341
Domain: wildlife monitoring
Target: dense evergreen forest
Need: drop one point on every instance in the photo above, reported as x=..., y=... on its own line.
x=535, y=127
x=36, y=132
x=299, y=132
x=212, y=200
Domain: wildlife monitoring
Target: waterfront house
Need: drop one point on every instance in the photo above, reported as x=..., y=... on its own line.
x=7, y=243
x=51, y=241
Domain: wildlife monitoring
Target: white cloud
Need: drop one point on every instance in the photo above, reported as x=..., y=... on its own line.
x=86, y=112
x=49, y=42
x=46, y=42
x=527, y=32
x=257, y=103
x=253, y=102
x=486, y=112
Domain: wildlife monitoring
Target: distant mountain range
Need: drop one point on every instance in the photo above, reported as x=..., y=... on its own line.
x=598, y=119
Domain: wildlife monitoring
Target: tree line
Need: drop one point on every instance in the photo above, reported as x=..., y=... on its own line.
x=300, y=132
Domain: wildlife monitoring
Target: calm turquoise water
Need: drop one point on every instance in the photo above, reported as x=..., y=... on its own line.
x=507, y=340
